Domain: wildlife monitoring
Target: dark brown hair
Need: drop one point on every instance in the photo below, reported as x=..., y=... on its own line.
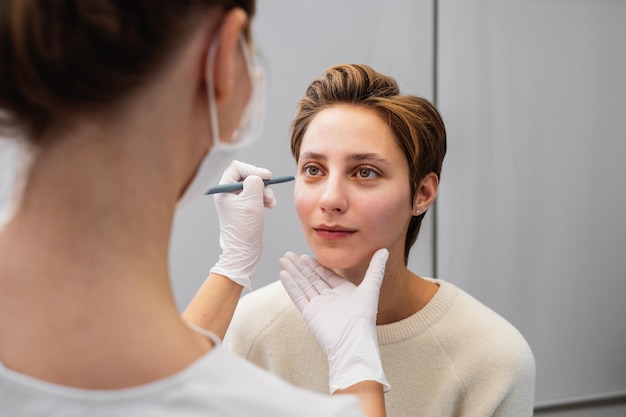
x=415, y=122
x=62, y=56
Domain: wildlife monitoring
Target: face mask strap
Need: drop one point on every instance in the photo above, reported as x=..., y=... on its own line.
x=211, y=91
x=254, y=105
x=246, y=55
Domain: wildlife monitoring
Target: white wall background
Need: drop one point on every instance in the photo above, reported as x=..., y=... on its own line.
x=8, y=165
x=531, y=207
x=533, y=194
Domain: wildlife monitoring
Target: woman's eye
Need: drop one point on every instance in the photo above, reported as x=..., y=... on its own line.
x=366, y=173
x=311, y=170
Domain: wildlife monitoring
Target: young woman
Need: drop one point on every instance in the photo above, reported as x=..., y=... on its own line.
x=122, y=107
x=369, y=161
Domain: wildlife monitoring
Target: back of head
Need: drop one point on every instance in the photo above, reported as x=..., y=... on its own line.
x=416, y=124
x=59, y=58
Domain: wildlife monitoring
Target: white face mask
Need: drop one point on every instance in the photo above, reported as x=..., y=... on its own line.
x=222, y=153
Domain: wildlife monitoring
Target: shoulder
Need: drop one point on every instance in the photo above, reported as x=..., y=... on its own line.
x=237, y=387
x=263, y=306
x=472, y=327
x=267, y=394
x=264, y=311
x=268, y=330
x=272, y=298
x=492, y=359
x=469, y=316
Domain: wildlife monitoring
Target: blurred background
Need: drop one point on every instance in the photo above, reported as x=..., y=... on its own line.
x=530, y=213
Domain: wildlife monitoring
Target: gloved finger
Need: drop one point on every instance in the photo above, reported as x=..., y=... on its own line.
x=301, y=273
x=316, y=285
x=293, y=290
x=289, y=283
x=251, y=194
x=231, y=173
x=375, y=273
x=238, y=170
x=253, y=188
x=327, y=277
x=269, y=199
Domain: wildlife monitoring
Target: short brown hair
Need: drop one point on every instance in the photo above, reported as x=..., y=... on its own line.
x=415, y=122
x=61, y=56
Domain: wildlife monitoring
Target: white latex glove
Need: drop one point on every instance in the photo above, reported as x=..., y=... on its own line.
x=241, y=219
x=341, y=316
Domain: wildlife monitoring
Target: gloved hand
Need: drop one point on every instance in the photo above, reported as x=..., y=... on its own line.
x=341, y=316
x=241, y=219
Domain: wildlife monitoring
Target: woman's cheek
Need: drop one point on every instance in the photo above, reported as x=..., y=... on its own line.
x=304, y=203
x=382, y=222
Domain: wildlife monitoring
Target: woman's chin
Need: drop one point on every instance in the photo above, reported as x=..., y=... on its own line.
x=329, y=261
x=336, y=260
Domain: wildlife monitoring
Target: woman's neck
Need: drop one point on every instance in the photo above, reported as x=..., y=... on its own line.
x=86, y=232
x=402, y=294
x=84, y=268
x=90, y=203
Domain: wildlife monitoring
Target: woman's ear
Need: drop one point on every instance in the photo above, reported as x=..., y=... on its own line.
x=426, y=193
x=224, y=63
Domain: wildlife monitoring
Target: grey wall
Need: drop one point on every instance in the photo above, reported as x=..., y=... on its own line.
x=531, y=207
x=8, y=165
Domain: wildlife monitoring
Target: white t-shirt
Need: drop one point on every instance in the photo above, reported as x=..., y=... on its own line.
x=218, y=384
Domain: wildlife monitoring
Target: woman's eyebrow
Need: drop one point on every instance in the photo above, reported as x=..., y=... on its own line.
x=368, y=157
x=373, y=158
x=312, y=155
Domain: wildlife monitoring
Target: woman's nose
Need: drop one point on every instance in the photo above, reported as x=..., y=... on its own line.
x=333, y=198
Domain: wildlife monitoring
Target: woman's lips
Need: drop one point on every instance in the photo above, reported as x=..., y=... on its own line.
x=333, y=232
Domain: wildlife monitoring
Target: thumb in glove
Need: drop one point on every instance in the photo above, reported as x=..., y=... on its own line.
x=341, y=315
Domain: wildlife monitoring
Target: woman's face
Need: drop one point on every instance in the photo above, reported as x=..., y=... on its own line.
x=352, y=191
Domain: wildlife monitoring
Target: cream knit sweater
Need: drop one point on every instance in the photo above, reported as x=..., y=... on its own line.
x=454, y=357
